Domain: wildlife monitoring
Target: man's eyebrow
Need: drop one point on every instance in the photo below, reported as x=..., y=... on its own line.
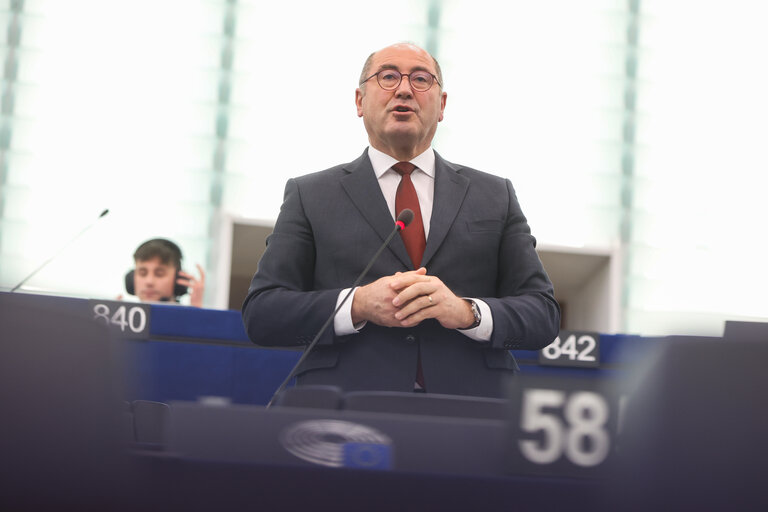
x=421, y=68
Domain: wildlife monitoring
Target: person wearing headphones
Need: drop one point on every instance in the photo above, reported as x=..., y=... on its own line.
x=157, y=275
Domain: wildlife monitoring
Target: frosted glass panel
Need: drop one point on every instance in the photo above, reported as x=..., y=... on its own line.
x=109, y=112
x=535, y=94
x=698, y=244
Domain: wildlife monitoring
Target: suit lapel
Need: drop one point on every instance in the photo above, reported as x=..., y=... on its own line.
x=450, y=190
x=363, y=189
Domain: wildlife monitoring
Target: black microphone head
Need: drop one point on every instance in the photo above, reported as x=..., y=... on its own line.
x=104, y=213
x=406, y=216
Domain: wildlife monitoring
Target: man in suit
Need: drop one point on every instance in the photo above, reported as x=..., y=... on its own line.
x=439, y=310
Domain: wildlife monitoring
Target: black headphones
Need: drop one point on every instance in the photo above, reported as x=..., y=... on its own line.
x=178, y=289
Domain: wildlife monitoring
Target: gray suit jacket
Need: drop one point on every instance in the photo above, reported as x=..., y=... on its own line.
x=479, y=245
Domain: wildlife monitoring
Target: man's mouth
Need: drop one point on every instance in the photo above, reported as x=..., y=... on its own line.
x=402, y=108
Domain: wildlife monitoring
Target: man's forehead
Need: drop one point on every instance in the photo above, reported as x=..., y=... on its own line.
x=403, y=57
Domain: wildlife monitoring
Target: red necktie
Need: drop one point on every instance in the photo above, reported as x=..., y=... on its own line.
x=413, y=235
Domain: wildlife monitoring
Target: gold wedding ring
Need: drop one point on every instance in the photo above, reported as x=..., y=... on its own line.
x=430, y=298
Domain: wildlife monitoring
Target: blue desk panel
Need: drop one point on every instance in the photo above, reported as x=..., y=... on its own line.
x=193, y=352
x=198, y=352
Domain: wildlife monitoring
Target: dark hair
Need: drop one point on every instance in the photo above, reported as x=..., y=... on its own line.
x=168, y=252
x=369, y=60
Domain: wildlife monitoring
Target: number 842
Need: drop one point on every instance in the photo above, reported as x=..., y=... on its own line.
x=586, y=346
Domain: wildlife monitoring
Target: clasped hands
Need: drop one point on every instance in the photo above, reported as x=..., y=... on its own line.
x=405, y=299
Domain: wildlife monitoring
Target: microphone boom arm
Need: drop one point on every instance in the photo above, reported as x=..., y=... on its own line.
x=46, y=262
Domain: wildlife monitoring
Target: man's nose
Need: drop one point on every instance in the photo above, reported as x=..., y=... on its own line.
x=404, y=89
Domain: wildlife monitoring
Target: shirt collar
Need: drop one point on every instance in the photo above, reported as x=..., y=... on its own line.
x=382, y=162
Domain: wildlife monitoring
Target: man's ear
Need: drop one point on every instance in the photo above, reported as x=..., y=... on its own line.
x=443, y=99
x=359, y=102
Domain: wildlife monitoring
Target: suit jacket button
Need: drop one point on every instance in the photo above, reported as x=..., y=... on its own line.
x=410, y=338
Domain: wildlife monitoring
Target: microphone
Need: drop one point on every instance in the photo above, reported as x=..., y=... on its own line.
x=46, y=262
x=405, y=218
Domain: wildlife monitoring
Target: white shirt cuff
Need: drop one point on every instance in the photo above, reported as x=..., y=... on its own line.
x=342, y=323
x=483, y=331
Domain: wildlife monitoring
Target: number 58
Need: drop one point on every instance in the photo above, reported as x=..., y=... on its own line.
x=582, y=438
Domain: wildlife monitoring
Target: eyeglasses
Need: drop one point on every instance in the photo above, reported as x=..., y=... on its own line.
x=389, y=79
